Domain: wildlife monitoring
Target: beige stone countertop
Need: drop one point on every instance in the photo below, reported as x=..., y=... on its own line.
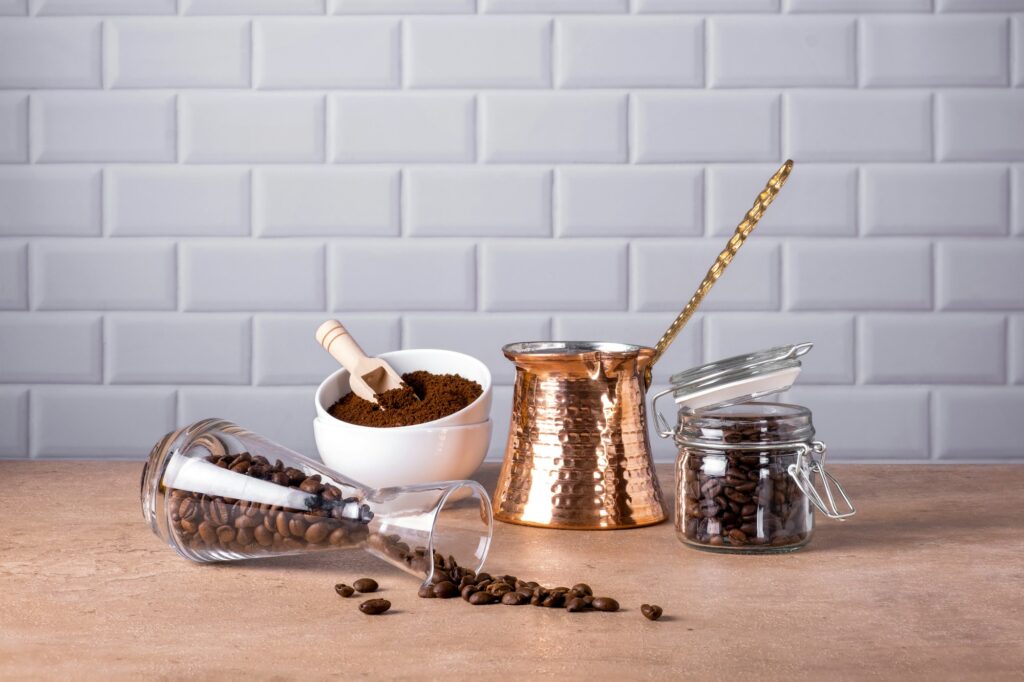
x=926, y=582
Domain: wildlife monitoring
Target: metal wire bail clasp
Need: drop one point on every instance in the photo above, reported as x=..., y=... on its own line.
x=803, y=476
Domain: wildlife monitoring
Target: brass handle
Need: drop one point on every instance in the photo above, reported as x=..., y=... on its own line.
x=743, y=230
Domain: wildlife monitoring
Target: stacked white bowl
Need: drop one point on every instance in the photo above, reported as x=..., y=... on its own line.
x=450, y=448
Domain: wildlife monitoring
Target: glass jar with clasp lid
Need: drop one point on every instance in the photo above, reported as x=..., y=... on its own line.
x=749, y=475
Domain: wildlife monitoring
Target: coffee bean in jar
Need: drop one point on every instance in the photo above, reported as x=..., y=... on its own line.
x=735, y=488
x=217, y=523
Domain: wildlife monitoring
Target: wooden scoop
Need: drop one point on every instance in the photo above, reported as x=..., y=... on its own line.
x=368, y=376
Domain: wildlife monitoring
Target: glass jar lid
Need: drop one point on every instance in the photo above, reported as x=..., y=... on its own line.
x=738, y=379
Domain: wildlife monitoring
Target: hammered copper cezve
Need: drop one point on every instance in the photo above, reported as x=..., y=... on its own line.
x=578, y=455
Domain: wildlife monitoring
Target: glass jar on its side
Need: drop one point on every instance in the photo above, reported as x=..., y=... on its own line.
x=746, y=478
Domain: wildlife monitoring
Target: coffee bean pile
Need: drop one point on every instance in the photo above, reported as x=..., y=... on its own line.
x=723, y=510
x=205, y=523
x=451, y=580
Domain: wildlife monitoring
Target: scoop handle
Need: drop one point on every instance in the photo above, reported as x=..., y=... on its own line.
x=337, y=341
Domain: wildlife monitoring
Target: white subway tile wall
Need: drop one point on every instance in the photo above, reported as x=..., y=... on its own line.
x=189, y=187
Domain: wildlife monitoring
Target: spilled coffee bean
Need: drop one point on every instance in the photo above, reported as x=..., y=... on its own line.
x=375, y=607
x=651, y=611
x=365, y=585
x=605, y=604
x=426, y=592
x=480, y=598
x=344, y=590
x=514, y=599
x=446, y=590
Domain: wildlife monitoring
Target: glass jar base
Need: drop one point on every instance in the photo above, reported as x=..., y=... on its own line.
x=745, y=549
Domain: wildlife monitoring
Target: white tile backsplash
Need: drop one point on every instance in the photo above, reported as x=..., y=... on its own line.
x=961, y=349
x=458, y=52
x=491, y=202
x=59, y=348
x=984, y=125
x=412, y=128
x=50, y=202
x=961, y=414
x=960, y=284
x=616, y=201
x=805, y=52
x=317, y=53
x=173, y=201
x=89, y=274
x=843, y=125
x=208, y=180
x=91, y=7
x=148, y=348
x=858, y=275
x=934, y=199
x=562, y=275
x=55, y=53
x=13, y=275
x=293, y=202
x=13, y=127
x=641, y=52
x=563, y=127
x=705, y=127
x=436, y=275
x=225, y=275
x=819, y=201
x=240, y=128
x=906, y=51
x=13, y=422
x=96, y=422
x=665, y=274
x=103, y=127
x=200, y=53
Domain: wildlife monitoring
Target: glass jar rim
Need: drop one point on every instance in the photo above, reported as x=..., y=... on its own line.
x=769, y=423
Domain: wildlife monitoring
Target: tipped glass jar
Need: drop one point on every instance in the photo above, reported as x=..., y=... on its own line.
x=217, y=492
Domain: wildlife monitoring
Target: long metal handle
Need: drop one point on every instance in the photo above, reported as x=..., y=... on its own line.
x=743, y=230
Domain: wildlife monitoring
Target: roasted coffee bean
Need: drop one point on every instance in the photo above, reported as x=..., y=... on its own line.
x=365, y=585
x=604, y=604
x=514, y=598
x=427, y=592
x=576, y=604
x=375, y=607
x=344, y=590
x=555, y=600
x=468, y=591
x=651, y=611
x=446, y=590
x=582, y=589
x=481, y=598
x=317, y=533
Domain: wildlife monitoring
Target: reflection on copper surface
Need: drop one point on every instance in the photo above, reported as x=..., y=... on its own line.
x=578, y=454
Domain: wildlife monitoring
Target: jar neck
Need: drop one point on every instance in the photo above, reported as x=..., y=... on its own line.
x=747, y=425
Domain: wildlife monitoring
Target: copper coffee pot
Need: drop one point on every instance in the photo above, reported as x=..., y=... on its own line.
x=578, y=454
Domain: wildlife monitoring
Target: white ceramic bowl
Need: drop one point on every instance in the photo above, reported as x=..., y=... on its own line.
x=451, y=448
x=430, y=360
x=385, y=457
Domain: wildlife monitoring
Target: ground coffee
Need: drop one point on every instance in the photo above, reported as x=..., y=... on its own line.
x=425, y=398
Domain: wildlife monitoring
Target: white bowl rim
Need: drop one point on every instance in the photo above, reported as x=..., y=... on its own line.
x=317, y=403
